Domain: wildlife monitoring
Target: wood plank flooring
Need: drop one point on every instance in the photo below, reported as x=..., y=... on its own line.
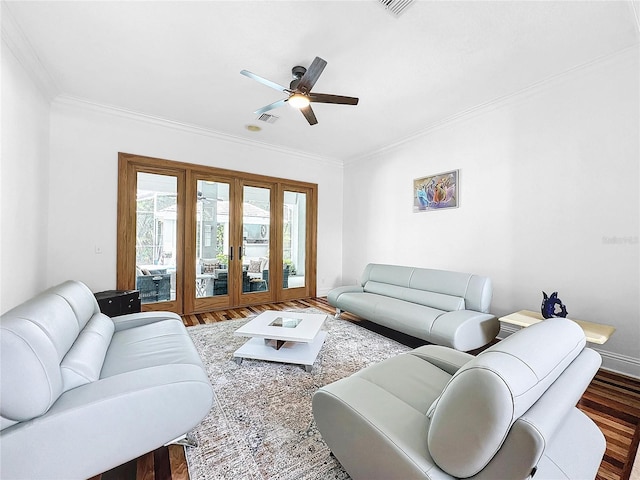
x=612, y=401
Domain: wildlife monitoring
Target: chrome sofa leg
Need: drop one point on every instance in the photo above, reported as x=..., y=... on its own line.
x=186, y=440
x=338, y=312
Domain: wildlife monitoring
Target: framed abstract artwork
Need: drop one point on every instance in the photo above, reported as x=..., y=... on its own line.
x=436, y=192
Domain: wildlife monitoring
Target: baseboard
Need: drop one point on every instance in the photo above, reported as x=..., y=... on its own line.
x=611, y=361
x=617, y=363
x=323, y=292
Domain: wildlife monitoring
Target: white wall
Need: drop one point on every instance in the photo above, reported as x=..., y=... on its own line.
x=549, y=201
x=549, y=195
x=24, y=182
x=85, y=142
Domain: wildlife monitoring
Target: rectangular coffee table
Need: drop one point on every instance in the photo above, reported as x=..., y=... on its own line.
x=287, y=337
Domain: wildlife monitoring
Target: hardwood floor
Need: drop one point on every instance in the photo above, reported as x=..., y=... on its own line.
x=612, y=401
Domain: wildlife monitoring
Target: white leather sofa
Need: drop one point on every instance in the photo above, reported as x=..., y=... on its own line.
x=82, y=393
x=436, y=413
x=439, y=306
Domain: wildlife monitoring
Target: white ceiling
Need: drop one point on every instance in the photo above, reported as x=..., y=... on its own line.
x=180, y=60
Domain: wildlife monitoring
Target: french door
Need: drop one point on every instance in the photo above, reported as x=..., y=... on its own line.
x=193, y=239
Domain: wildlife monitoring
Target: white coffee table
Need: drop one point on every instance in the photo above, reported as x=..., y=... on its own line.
x=287, y=337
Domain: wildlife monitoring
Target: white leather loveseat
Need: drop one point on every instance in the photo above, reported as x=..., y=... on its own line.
x=439, y=306
x=82, y=393
x=439, y=414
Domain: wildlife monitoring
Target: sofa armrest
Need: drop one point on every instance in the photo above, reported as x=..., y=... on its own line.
x=549, y=412
x=107, y=422
x=333, y=295
x=132, y=320
x=353, y=409
x=445, y=358
x=555, y=429
x=464, y=330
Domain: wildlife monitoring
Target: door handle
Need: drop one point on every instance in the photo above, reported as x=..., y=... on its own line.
x=230, y=254
x=240, y=252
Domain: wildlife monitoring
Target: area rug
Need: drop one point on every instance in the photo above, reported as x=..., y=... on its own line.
x=261, y=424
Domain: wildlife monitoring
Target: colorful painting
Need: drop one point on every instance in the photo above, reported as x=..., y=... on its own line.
x=436, y=192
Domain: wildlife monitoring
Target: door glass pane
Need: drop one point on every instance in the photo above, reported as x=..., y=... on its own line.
x=256, y=218
x=212, y=239
x=156, y=208
x=294, y=239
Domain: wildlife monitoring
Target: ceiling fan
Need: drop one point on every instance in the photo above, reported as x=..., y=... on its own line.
x=299, y=90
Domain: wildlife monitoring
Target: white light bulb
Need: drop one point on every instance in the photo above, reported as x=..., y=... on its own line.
x=298, y=100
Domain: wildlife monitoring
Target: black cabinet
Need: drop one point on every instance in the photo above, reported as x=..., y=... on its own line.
x=118, y=302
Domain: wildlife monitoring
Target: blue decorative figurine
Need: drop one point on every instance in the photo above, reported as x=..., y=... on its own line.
x=549, y=304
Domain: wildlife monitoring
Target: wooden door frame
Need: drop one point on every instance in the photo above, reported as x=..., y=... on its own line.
x=130, y=164
x=271, y=294
x=309, y=289
x=191, y=303
x=128, y=168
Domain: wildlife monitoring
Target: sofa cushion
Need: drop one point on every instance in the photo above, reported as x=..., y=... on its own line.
x=83, y=362
x=81, y=300
x=209, y=265
x=417, y=386
x=362, y=303
x=436, y=300
x=264, y=263
x=410, y=318
x=254, y=266
x=392, y=274
x=443, y=281
x=161, y=343
x=476, y=409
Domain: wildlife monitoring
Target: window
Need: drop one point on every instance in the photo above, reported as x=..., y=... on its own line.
x=193, y=238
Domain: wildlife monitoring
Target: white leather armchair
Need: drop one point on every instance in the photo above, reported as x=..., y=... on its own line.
x=436, y=413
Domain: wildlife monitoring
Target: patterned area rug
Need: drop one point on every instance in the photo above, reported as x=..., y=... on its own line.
x=261, y=424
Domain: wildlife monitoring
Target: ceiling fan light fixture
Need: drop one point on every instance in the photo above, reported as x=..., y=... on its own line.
x=297, y=100
x=299, y=94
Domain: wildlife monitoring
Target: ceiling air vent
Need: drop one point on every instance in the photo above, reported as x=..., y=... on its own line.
x=265, y=117
x=396, y=6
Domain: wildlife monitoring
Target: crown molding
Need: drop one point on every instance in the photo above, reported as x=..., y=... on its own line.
x=18, y=44
x=498, y=102
x=88, y=105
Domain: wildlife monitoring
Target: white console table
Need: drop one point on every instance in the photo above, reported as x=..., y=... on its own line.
x=595, y=332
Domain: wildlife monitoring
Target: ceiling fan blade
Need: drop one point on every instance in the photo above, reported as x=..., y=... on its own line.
x=264, y=81
x=310, y=78
x=271, y=106
x=327, y=98
x=309, y=115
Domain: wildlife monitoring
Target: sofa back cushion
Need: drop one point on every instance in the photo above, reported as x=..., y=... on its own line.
x=83, y=362
x=423, y=297
x=35, y=337
x=473, y=415
x=474, y=290
x=81, y=300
